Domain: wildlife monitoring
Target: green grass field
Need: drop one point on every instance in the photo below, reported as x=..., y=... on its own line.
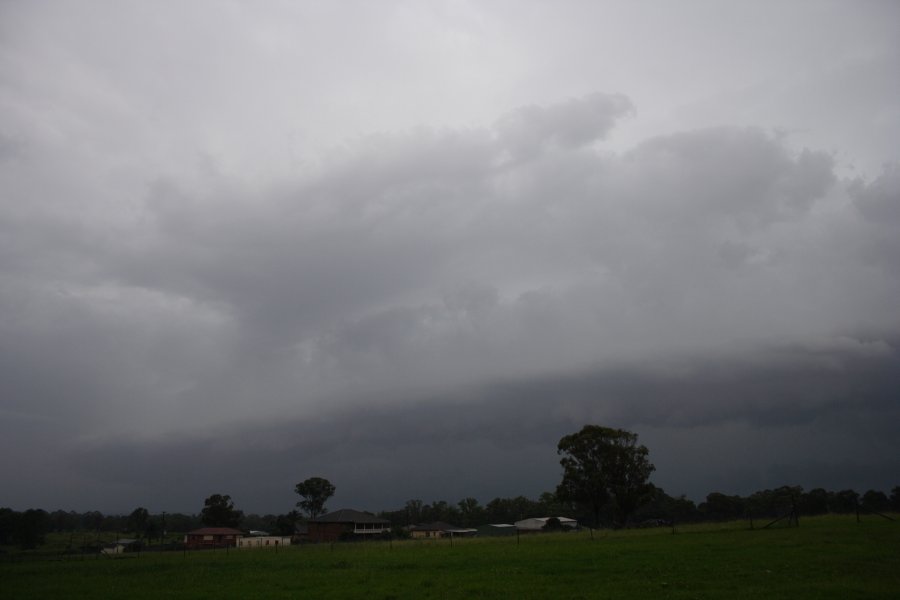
x=827, y=557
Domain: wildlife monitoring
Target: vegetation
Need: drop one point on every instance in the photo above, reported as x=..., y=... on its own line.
x=219, y=511
x=603, y=465
x=827, y=557
x=605, y=475
x=315, y=492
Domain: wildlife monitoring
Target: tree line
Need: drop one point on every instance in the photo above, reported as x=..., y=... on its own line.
x=605, y=482
x=27, y=529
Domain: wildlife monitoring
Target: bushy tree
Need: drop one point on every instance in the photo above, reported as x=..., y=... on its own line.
x=844, y=501
x=470, y=512
x=814, y=502
x=31, y=528
x=92, y=520
x=315, y=491
x=287, y=523
x=662, y=506
x=7, y=525
x=61, y=520
x=875, y=501
x=138, y=520
x=722, y=507
x=602, y=465
x=218, y=511
x=413, y=510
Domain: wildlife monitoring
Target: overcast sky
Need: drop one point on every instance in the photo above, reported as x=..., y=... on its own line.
x=407, y=246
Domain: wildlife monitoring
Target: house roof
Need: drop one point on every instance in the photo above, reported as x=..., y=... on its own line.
x=216, y=531
x=348, y=515
x=436, y=526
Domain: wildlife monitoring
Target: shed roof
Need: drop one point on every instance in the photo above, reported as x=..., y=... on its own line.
x=348, y=515
x=436, y=526
x=216, y=531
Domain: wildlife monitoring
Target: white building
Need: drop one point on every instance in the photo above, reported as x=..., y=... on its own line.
x=263, y=541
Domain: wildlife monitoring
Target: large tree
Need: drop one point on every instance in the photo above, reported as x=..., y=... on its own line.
x=601, y=466
x=315, y=491
x=218, y=511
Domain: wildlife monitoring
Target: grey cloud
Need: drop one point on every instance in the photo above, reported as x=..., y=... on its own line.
x=355, y=277
x=745, y=174
x=530, y=129
x=879, y=200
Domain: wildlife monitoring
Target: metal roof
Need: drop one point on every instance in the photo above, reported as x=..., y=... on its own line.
x=436, y=526
x=216, y=531
x=348, y=515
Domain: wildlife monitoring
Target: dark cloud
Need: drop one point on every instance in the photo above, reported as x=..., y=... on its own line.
x=801, y=411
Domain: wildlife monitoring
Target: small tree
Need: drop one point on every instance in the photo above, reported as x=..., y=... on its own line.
x=315, y=491
x=218, y=511
x=602, y=465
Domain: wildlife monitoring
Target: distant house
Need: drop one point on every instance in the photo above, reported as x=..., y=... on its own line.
x=345, y=523
x=538, y=523
x=439, y=529
x=212, y=537
x=121, y=545
x=263, y=541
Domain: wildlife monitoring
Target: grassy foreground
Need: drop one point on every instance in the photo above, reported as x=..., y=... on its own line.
x=828, y=557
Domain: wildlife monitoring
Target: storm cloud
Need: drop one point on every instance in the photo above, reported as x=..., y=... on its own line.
x=225, y=267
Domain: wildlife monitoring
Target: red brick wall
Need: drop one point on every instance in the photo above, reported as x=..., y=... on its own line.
x=328, y=532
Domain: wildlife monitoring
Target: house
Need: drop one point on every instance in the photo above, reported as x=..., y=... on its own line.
x=439, y=529
x=538, y=523
x=346, y=524
x=263, y=541
x=212, y=537
x=121, y=546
